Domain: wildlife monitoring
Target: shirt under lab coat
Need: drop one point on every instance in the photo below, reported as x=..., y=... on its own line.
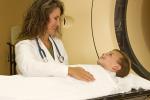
x=30, y=63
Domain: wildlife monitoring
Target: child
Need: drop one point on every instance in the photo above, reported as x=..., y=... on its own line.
x=115, y=61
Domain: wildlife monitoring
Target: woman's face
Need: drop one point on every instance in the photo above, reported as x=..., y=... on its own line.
x=54, y=21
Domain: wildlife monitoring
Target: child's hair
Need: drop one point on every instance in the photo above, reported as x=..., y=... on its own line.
x=125, y=64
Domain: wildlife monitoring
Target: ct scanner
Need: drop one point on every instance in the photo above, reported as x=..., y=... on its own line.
x=120, y=24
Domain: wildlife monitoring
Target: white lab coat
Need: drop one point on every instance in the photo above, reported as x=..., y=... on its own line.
x=30, y=63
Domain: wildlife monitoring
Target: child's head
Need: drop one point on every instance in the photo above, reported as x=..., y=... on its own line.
x=116, y=61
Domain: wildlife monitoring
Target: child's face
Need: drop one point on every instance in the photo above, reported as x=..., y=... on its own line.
x=109, y=60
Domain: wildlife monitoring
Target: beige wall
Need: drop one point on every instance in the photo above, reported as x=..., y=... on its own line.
x=138, y=23
x=78, y=38
x=11, y=14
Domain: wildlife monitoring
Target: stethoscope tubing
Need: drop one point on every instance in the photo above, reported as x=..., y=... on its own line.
x=56, y=47
x=43, y=54
x=41, y=51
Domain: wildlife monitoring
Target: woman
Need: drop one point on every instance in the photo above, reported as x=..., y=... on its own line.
x=39, y=51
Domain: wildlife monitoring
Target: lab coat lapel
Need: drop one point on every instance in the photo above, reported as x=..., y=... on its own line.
x=54, y=50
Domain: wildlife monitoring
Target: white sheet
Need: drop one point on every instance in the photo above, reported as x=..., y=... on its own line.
x=58, y=88
x=131, y=81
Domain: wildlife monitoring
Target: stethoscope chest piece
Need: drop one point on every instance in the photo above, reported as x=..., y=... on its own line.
x=61, y=59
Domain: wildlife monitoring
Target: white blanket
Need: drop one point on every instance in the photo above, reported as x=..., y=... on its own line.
x=66, y=88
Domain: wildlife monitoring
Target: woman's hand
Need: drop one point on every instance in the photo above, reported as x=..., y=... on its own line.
x=80, y=74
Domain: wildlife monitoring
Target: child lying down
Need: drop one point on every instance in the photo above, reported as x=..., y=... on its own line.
x=114, y=61
x=111, y=77
x=19, y=87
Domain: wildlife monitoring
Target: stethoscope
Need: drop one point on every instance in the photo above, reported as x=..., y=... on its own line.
x=43, y=55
